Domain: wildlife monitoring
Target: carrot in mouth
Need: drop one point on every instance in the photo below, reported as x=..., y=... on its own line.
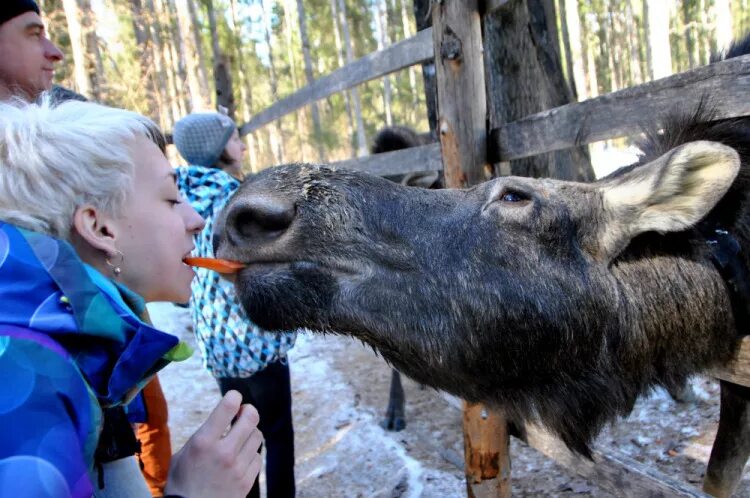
x=218, y=265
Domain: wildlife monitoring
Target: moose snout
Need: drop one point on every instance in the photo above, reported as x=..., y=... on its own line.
x=258, y=219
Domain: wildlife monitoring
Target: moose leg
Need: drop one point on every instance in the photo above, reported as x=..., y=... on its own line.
x=395, y=418
x=732, y=445
x=683, y=393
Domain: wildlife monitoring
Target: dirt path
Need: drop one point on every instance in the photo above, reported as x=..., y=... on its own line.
x=340, y=390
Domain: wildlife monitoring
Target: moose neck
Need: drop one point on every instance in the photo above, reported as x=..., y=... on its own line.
x=674, y=303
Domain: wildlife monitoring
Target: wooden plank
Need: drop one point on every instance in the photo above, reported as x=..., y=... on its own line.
x=621, y=113
x=614, y=471
x=423, y=158
x=737, y=371
x=406, y=53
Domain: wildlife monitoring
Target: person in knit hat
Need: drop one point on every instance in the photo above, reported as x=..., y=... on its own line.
x=235, y=351
x=27, y=57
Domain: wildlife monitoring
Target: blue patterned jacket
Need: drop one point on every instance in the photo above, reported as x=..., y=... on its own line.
x=70, y=343
x=231, y=345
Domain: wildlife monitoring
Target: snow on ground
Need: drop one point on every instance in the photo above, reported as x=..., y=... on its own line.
x=340, y=390
x=606, y=158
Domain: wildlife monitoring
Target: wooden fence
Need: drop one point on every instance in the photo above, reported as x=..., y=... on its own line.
x=465, y=151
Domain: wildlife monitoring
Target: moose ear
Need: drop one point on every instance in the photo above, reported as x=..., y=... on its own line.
x=669, y=194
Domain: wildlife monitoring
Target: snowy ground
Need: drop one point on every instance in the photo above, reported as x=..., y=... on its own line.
x=340, y=390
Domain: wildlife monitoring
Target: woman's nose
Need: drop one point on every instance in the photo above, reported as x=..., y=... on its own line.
x=193, y=221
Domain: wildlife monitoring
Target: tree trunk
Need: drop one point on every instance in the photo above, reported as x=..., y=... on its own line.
x=573, y=22
x=607, y=30
x=246, y=95
x=160, y=79
x=408, y=34
x=298, y=130
x=424, y=21
x=656, y=15
x=145, y=54
x=361, y=139
x=80, y=23
x=95, y=66
x=724, y=31
x=518, y=50
x=191, y=45
x=340, y=59
x=171, y=52
x=383, y=42
x=222, y=71
x=317, y=130
x=589, y=60
x=276, y=135
x=636, y=78
x=691, y=33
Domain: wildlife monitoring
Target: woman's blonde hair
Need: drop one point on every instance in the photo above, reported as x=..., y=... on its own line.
x=55, y=158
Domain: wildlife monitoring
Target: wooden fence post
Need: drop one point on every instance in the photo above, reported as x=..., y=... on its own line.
x=486, y=452
x=462, y=100
x=462, y=127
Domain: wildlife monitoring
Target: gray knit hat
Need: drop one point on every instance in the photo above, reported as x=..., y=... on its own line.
x=201, y=137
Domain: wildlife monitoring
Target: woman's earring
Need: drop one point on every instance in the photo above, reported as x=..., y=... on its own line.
x=117, y=265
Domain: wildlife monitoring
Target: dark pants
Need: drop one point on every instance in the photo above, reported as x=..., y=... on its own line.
x=270, y=393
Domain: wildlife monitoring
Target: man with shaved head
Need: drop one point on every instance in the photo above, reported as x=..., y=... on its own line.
x=27, y=56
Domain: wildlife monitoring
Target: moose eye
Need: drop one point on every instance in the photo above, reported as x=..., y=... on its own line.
x=511, y=196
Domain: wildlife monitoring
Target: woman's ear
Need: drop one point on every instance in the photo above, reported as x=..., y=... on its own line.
x=92, y=226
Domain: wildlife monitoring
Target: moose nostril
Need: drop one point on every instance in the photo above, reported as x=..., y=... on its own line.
x=261, y=218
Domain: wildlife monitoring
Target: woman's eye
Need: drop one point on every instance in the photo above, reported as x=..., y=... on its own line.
x=174, y=202
x=513, y=197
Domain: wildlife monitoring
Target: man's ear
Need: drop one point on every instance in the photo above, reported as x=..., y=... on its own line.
x=95, y=228
x=670, y=194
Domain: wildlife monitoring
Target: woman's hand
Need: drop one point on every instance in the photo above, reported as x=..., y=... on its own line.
x=216, y=461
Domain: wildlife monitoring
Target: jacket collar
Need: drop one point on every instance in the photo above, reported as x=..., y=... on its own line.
x=45, y=287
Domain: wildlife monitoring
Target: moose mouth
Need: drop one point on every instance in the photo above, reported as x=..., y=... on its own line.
x=286, y=295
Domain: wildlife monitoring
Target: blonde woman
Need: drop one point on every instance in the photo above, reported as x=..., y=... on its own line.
x=91, y=227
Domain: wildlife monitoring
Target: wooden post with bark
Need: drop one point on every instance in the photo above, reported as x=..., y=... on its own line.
x=462, y=102
x=462, y=127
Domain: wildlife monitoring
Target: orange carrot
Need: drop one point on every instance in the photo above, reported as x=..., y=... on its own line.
x=215, y=264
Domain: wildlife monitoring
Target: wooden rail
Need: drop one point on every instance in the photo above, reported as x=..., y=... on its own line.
x=415, y=50
x=424, y=158
x=737, y=371
x=622, y=113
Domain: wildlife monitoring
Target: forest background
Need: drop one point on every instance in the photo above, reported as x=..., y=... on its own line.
x=166, y=58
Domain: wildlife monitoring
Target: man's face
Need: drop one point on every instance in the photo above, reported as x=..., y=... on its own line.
x=27, y=57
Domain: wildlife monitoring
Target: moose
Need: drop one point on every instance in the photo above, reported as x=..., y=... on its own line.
x=555, y=302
